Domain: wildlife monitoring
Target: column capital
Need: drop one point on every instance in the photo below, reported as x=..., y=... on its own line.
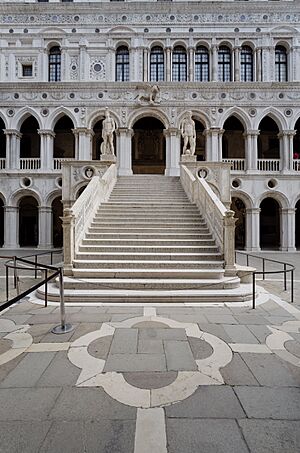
x=171, y=131
x=46, y=209
x=124, y=131
x=253, y=210
x=12, y=132
x=10, y=208
x=251, y=132
x=46, y=132
x=82, y=130
x=287, y=132
x=288, y=210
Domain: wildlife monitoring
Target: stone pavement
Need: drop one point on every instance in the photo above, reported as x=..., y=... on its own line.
x=141, y=379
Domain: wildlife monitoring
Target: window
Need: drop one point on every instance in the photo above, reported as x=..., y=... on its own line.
x=122, y=64
x=224, y=64
x=201, y=64
x=54, y=64
x=246, y=64
x=179, y=64
x=281, y=73
x=27, y=70
x=157, y=69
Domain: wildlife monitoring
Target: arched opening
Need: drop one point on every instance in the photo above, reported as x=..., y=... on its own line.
x=233, y=142
x=97, y=140
x=57, y=231
x=281, y=64
x=64, y=141
x=179, y=64
x=297, y=225
x=269, y=224
x=80, y=191
x=2, y=142
x=1, y=222
x=30, y=140
x=28, y=222
x=148, y=146
x=54, y=64
x=268, y=141
x=296, y=142
x=238, y=206
x=122, y=64
x=157, y=64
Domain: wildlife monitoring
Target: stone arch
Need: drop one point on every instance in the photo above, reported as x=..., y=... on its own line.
x=245, y=197
x=51, y=196
x=202, y=42
x=56, y=115
x=53, y=43
x=180, y=43
x=283, y=43
x=146, y=112
x=276, y=115
x=280, y=197
x=157, y=43
x=4, y=119
x=23, y=114
x=248, y=43
x=121, y=43
x=226, y=43
x=197, y=115
x=238, y=113
x=15, y=197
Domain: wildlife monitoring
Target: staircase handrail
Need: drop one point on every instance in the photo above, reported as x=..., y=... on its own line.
x=219, y=219
x=78, y=218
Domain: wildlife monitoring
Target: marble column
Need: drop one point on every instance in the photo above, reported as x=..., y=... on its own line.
x=173, y=151
x=213, y=141
x=288, y=230
x=146, y=76
x=214, y=71
x=237, y=64
x=45, y=227
x=191, y=63
x=286, y=138
x=84, y=145
x=220, y=145
x=124, y=158
x=252, y=229
x=168, y=64
x=258, y=65
x=251, y=150
x=47, y=140
x=13, y=139
x=11, y=227
x=83, y=66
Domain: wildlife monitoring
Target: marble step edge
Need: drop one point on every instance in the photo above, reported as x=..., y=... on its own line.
x=148, y=273
x=144, y=264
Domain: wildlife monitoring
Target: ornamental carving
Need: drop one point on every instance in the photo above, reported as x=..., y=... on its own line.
x=97, y=69
x=74, y=68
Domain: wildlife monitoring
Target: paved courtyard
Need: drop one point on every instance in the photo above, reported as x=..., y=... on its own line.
x=141, y=379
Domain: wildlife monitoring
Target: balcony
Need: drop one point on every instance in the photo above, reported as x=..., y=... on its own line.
x=268, y=165
x=236, y=164
x=30, y=163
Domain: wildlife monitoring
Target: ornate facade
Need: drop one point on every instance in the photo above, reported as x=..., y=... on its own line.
x=235, y=65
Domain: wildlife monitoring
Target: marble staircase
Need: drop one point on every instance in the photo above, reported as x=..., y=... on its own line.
x=148, y=243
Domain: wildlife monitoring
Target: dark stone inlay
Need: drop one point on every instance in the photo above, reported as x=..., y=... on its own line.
x=100, y=348
x=200, y=348
x=150, y=379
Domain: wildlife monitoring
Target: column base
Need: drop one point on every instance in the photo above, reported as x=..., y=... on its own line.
x=125, y=172
x=108, y=158
x=188, y=158
x=172, y=171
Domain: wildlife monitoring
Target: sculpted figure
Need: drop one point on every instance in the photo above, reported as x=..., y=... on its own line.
x=108, y=129
x=188, y=133
x=153, y=97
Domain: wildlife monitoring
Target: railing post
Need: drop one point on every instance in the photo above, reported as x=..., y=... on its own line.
x=263, y=269
x=284, y=276
x=46, y=288
x=35, y=267
x=63, y=327
x=229, y=250
x=292, y=286
x=253, y=290
x=7, y=283
x=69, y=239
x=15, y=272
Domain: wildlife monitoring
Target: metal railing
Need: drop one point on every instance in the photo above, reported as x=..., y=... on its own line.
x=287, y=268
x=50, y=272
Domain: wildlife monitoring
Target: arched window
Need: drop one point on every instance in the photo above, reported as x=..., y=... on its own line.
x=246, y=64
x=157, y=66
x=179, y=64
x=122, y=64
x=281, y=73
x=224, y=64
x=54, y=64
x=201, y=64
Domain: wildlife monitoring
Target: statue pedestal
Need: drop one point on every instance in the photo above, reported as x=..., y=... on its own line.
x=108, y=158
x=188, y=158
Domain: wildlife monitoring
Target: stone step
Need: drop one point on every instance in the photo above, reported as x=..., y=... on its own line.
x=92, y=234
x=205, y=295
x=145, y=210
x=143, y=264
x=147, y=256
x=147, y=204
x=154, y=230
x=150, y=283
x=148, y=249
x=147, y=223
x=122, y=273
x=148, y=242
x=168, y=217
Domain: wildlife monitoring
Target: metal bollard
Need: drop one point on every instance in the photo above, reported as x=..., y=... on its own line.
x=63, y=327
